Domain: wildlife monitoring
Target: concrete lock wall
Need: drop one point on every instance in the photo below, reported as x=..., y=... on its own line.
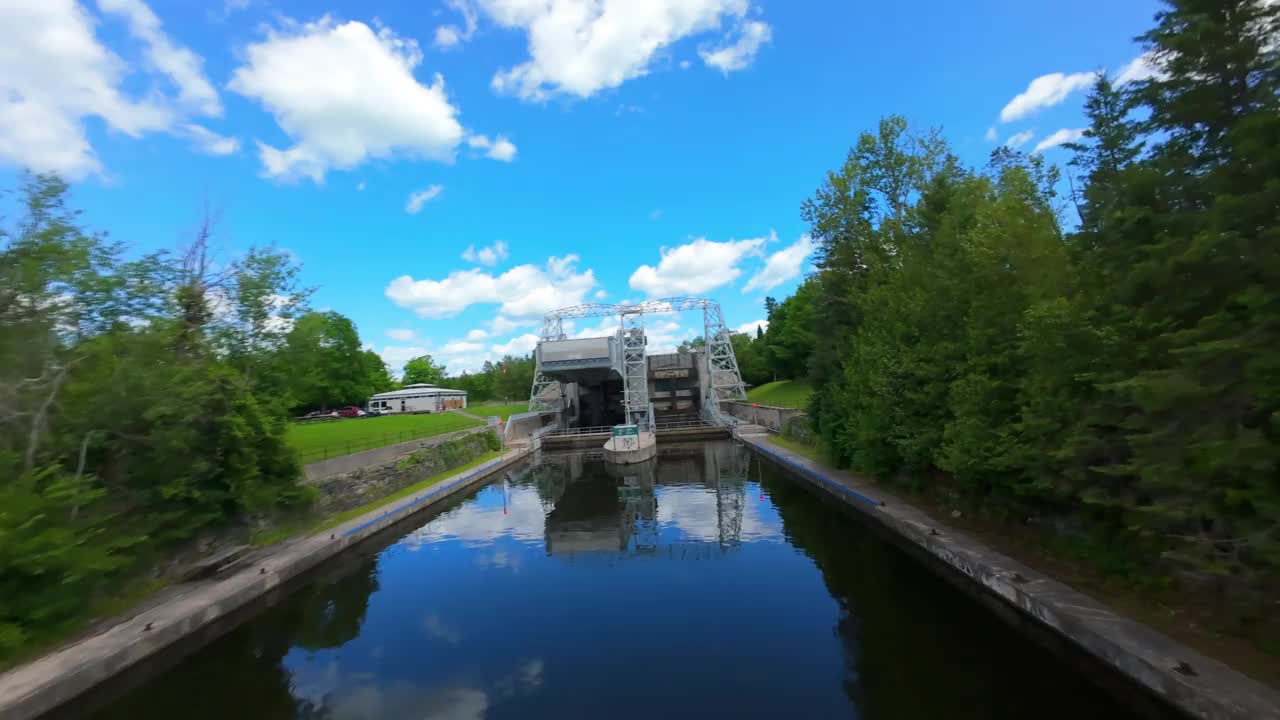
x=316, y=471
x=773, y=418
x=344, y=491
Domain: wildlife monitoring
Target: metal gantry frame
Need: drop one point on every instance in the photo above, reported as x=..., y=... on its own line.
x=723, y=380
x=635, y=369
x=544, y=388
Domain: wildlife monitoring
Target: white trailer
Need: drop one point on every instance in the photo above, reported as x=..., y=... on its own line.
x=418, y=398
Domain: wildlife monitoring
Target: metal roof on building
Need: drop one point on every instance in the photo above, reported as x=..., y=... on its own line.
x=417, y=390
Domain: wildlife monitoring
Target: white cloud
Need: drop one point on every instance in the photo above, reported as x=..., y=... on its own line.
x=524, y=292
x=1017, y=140
x=519, y=345
x=750, y=328
x=685, y=64
x=477, y=334
x=210, y=142
x=460, y=347
x=344, y=94
x=501, y=325
x=579, y=47
x=1138, y=69
x=360, y=185
x=781, y=266
x=663, y=336
x=991, y=134
x=499, y=148
x=54, y=74
x=395, y=356
x=451, y=36
x=421, y=197
x=1065, y=135
x=696, y=267
x=742, y=52
x=601, y=294
x=470, y=354
x=1045, y=91
x=179, y=64
x=401, y=334
x=486, y=255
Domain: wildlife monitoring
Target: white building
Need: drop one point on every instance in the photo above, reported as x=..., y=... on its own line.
x=418, y=397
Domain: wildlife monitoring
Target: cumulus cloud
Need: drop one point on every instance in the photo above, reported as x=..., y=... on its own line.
x=519, y=345
x=208, y=141
x=1138, y=69
x=477, y=334
x=499, y=148
x=1017, y=140
x=750, y=328
x=751, y=36
x=1043, y=92
x=448, y=37
x=695, y=267
x=401, y=334
x=1065, y=135
x=502, y=325
x=781, y=266
x=55, y=74
x=486, y=255
x=524, y=292
x=344, y=93
x=418, y=198
x=991, y=134
x=395, y=356
x=579, y=47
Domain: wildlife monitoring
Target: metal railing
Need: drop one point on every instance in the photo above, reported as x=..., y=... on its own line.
x=574, y=432
x=682, y=424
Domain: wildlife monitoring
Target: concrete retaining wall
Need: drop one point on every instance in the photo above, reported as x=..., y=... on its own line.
x=521, y=426
x=60, y=677
x=774, y=418
x=344, y=491
x=1193, y=683
x=377, y=456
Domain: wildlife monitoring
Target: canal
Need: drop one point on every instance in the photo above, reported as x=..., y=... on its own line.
x=704, y=584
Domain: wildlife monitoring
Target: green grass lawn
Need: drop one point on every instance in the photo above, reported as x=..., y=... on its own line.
x=783, y=393
x=813, y=452
x=331, y=438
x=505, y=411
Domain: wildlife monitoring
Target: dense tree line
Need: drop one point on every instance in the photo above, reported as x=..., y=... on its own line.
x=508, y=380
x=143, y=402
x=1108, y=362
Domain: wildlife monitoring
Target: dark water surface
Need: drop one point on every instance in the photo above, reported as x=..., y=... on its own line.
x=706, y=584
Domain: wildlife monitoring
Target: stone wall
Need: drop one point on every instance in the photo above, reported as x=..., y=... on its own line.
x=774, y=418
x=347, y=490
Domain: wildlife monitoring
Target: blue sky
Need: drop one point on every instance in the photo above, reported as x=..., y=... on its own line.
x=583, y=150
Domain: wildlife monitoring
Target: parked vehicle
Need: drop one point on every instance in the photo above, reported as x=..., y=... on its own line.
x=350, y=411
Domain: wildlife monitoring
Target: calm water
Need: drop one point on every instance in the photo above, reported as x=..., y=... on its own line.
x=706, y=584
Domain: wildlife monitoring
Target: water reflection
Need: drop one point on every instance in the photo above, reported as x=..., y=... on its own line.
x=700, y=584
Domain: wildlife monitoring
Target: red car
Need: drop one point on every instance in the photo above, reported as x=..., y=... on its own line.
x=350, y=411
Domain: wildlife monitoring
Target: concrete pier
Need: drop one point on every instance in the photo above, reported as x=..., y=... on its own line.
x=645, y=448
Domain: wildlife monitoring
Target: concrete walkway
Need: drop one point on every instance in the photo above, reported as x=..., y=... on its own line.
x=36, y=688
x=1194, y=683
x=466, y=414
